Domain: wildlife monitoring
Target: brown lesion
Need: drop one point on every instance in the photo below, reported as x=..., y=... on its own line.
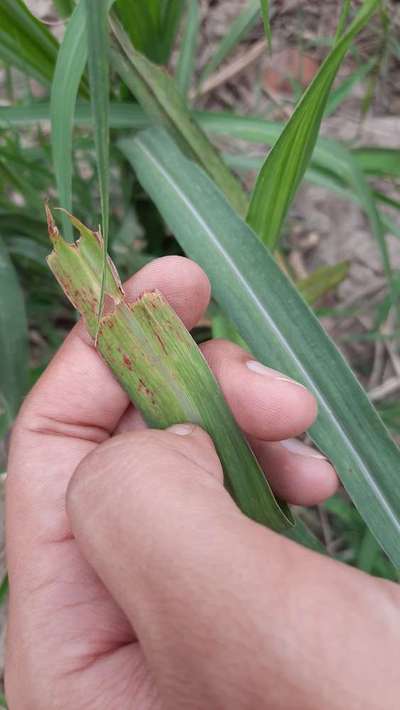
x=127, y=362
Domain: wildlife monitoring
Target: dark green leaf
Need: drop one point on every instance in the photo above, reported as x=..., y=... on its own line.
x=25, y=42
x=280, y=329
x=70, y=66
x=161, y=101
x=187, y=56
x=13, y=339
x=97, y=39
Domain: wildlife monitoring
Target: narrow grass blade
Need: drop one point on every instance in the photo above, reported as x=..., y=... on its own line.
x=267, y=25
x=382, y=162
x=3, y=590
x=170, y=16
x=151, y=25
x=338, y=95
x=159, y=365
x=25, y=42
x=13, y=339
x=280, y=329
x=368, y=552
x=318, y=175
x=329, y=157
x=97, y=39
x=140, y=23
x=71, y=62
x=65, y=7
x=322, y=280
x=161, y=101
x=187, y=57
x=237, y=31
x=286, y=164
x=344, y=13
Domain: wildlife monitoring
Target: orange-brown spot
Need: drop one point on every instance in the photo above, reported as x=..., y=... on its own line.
x=127, y=362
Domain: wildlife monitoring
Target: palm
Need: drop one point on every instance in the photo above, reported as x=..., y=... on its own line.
x=99, y=662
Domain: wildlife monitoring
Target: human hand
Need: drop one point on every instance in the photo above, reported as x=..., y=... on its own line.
x=136, y=583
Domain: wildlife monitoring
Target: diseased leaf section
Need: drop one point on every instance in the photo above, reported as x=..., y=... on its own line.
x=159, y=365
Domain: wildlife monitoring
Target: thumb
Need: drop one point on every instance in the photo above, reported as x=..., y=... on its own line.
x=150, y=514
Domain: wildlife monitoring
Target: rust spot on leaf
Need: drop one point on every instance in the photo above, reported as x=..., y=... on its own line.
x=127, y=362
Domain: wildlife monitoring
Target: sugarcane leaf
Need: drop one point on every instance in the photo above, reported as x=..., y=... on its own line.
x=278, y=326
x=158, y=363
x=322, y=280
x=374, y=160
x=286, y=163
x=343, y=90
x=97, y=41
x=159, y=97
x=25, y=42
x=3, y=590
x=330, y=158
x=267, y=25
x=170, y=16
x=151, y=26
x=65, y=7
x=140, y=23
x=344, y=13
x=71, y=62
x=13, y=339
x=187, y=56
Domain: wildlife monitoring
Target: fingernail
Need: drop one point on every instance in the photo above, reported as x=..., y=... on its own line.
x=297, y=447
x=181, y=429
x=261, y=369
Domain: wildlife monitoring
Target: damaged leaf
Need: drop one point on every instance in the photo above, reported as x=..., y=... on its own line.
x=157, y=362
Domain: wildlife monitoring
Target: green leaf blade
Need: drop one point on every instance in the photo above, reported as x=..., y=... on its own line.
x=99, y=73
x=71, y=61
x=161, y=368
x=13, y=339
x=286, y=163
x=25, y=42
x=187, y=56
x=273, y=320
x=267, y=25
x=163, y=104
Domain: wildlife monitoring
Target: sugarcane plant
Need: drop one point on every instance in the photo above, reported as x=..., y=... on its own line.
x=165, y=147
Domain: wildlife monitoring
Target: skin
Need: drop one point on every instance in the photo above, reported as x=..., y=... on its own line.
x=135, y=581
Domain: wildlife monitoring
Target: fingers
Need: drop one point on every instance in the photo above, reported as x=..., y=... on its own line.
x=297, y=473
x=267, y=404
x=221, y=605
